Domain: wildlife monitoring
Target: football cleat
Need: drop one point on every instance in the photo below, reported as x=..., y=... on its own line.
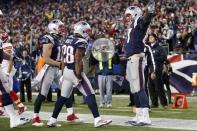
x=141, y=124
x=109, y=105
x=37, y=122
x=101, y=105
x=53, y=123
x=101, y=123
x=73, y=118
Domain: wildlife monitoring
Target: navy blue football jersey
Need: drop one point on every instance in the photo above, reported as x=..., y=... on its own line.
x=69, y=47
x=136, y=34
x=56, y=41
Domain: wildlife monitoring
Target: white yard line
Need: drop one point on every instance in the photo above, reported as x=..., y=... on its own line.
x=120, y=120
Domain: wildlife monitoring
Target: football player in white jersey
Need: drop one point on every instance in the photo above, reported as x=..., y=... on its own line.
x=7, y=102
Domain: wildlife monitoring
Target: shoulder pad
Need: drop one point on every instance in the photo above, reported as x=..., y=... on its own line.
x=81, y=43
x=47, y=39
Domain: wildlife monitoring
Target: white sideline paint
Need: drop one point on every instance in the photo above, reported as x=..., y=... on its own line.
x=164, y=123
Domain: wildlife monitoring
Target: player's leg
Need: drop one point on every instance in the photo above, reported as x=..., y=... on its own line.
x=101, y=84
x=28, y=89
x=71, y=117
x=16, y=100
x=66, y=91
x=66, y=83
x=109, y=85
x=87, y=90
x=140, y=93
x=15, y=119
x=22, y=91
x=15, y=97
x=9, y=89
x=136, y=67
x=45, y=85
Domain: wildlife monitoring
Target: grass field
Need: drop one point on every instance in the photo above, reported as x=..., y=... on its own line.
x=119, y=108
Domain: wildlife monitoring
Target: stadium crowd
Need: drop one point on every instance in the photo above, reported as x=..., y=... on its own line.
x=174, y=23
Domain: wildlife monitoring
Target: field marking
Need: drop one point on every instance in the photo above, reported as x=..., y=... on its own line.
x=164, y=123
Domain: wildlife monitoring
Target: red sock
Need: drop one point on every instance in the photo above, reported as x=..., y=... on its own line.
x=14, y=97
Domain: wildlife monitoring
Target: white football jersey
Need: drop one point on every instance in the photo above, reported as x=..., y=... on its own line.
x=8, y=48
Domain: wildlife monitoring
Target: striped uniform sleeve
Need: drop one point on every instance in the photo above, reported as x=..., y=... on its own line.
x=46, y=39
x=81, y=43
x=150, y=53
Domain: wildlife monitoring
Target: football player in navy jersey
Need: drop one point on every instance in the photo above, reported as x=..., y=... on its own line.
x=73, y=76
x=134, y=50
x=52, y=58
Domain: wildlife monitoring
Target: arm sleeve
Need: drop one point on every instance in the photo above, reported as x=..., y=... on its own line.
x=146, y=20
x=151, y=60
x=81, y=45
x=149, y=15
x=46, y=39
x=162, y=57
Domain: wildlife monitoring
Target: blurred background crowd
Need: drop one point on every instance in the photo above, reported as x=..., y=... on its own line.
x=26, y=21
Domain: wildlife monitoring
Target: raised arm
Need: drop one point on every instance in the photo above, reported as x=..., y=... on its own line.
x=149, y=14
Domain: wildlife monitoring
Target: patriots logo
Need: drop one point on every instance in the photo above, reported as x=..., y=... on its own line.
x=183, y=66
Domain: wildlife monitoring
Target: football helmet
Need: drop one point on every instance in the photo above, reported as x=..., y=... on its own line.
x=83, y=28
x=56, y=27
x=132, y=13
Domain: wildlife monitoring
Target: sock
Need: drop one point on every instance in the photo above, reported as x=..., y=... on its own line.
x=69, y=103
x=143, y=99
x=38, y=103
x=36, y=115
x=136, y=99
x=14, y=97
x=91, y=101
x=69, y=111
x=58, y=106
x=97, y=119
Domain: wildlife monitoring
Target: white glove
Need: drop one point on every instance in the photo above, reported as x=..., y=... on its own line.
x=151, y=6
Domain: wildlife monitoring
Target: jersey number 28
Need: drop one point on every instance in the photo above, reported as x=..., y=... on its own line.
x=68, y=54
